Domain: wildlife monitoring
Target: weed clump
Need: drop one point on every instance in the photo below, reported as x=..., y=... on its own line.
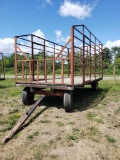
x=111, y=139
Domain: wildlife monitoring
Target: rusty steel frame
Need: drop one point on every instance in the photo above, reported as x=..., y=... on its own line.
x=89, y=52
x=2, y=71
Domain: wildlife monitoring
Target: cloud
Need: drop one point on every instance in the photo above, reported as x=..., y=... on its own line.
x=76, y=9
x=109, y=44
x=49, y=2
x=39, y=33
x=58, y=33
x=44, y=3
x=60, y=38
x=7, y=46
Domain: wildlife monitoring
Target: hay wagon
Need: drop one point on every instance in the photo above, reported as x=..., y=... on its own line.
x=47, y=68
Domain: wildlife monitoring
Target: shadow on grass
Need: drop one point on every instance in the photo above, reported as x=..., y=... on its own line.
x=6, y=86
x=84, y=98
x=1, y=87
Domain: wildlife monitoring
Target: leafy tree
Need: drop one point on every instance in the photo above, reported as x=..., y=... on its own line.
x=117, y=62
x=115, y=52
x=107, y=55
x=9, y=61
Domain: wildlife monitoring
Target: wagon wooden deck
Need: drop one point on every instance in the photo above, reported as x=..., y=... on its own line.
x=78, y=82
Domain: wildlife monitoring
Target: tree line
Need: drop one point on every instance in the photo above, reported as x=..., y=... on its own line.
x=111, y=58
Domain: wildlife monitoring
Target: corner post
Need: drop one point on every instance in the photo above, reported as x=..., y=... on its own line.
x=72, y=55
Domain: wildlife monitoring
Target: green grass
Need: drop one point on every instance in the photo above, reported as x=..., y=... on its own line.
x=8, y=88
x=111, y=139
x=117, y=111
x=94, y=117
x=45, y=121
x=9, y=122
x=13, y=118
x=75, y=130
x=31, y=136
x=58, y=117
x=73, y=137
x=3, y=121
x=91, y=115
x=54, y=156
x=99, y=120
x=85, y=98
x=13, y=111
x=93, y=131
x=60, y=124
x=71, y=123
x=87, y=103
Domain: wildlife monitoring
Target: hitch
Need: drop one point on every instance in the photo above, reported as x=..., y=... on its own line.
x=23, y=119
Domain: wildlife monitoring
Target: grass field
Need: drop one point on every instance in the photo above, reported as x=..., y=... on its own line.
x=91, y=132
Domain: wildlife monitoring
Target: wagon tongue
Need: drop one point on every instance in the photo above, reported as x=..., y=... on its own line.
x=22, y=120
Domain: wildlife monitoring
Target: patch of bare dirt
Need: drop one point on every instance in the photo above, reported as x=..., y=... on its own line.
x=91, y=132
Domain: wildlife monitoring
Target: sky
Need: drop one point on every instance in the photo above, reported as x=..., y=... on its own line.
x=52, y=20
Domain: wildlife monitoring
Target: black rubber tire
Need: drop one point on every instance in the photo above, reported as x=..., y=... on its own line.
x=94, y=86
x=68, y=101
x=27, y=96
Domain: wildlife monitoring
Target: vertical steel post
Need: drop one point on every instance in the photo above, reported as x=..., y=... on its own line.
x=45, y=64
x=15, y=45
x=68, y=63
x=37, y=71
x=83, y=54
x=32, y=63
x=102, y=58
x=62, y=70
x=99, y=52
x=87, y=63
x=23, y=70
x=30, y=72
x=54, y=65
x=95, y=58
x=90, y=54
x=72, y=56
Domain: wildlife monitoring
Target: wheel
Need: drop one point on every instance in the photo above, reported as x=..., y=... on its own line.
x=27, y=96
x=68, y=101
x=94, y=86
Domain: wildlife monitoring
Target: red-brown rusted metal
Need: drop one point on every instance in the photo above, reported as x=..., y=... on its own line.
x=49, y=93
x=62, y=71
x=72, y=56
x=42, y=62
x=15, y=61
x=2, y=71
